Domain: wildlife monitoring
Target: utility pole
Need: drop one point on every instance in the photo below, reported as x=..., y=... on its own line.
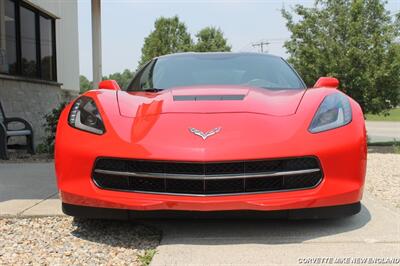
x=96, y=42
x=261, y=45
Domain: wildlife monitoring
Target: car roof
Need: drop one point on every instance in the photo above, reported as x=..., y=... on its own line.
x=205, y=54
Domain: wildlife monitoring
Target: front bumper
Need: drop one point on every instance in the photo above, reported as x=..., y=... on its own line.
x=121, y=214
x=342, y=184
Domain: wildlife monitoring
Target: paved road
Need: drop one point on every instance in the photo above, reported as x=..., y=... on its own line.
x=28, y=189
x=383, y=131
x=375, y=232
x=26, y=181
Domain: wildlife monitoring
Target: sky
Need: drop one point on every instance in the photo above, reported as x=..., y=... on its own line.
x=125, y=24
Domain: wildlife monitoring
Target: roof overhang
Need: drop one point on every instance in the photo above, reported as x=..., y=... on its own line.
x=41, y=9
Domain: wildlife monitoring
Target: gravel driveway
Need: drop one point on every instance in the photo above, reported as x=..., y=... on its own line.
x=383, y=177
x=64, y=241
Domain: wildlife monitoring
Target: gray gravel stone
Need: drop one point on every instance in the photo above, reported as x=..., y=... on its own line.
x=383, y=177
x=67, y=241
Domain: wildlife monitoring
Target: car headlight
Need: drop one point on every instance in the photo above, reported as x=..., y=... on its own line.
x=334, y=112
x=84, y=115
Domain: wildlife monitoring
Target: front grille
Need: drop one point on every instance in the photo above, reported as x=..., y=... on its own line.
x=211, y=178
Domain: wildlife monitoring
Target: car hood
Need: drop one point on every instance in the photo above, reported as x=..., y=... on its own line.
x=210, y=99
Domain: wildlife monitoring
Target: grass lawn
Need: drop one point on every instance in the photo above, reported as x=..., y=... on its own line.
x=394, y=115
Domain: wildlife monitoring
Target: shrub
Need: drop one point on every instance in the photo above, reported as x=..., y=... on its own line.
x=50, y=127
x=396, y=146
x=146, y=258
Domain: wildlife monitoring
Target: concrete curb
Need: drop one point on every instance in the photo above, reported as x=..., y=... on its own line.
x=30, y=208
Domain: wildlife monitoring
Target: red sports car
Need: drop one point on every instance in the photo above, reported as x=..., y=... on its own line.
x=212, y=134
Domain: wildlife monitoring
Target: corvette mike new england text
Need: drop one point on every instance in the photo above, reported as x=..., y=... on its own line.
x=350, y=260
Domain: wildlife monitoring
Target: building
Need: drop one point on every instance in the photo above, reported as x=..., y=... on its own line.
x=39, y=57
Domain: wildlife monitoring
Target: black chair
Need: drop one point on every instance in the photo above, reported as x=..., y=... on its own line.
x=6, y=132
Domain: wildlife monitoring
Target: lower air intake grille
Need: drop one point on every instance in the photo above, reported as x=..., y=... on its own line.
x=207, y=178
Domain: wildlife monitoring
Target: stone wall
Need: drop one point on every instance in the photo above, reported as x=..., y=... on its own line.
x=31, y=100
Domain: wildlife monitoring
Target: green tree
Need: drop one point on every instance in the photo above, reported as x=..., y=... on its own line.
x=211, y=39
x=353, y=40
x=84, y=84
x=123, y=78
x=169, y=36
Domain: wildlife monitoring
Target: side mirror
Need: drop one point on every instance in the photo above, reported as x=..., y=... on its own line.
x=109, y=85
x=327, y=82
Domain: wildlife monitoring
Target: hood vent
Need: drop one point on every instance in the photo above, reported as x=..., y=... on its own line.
x=191, y=98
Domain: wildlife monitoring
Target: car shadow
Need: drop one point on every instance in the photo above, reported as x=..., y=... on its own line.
x=221, y=231
x=125, y=234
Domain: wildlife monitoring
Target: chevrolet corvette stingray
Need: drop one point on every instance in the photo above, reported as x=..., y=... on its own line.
x=212, y=133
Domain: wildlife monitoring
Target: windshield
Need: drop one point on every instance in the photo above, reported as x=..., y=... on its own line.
x=253, y=70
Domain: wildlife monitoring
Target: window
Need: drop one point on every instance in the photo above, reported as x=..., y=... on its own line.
x=240, y=69
x=46, y=49
x=8, y=42
x=27, y=41
x=145, y=81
